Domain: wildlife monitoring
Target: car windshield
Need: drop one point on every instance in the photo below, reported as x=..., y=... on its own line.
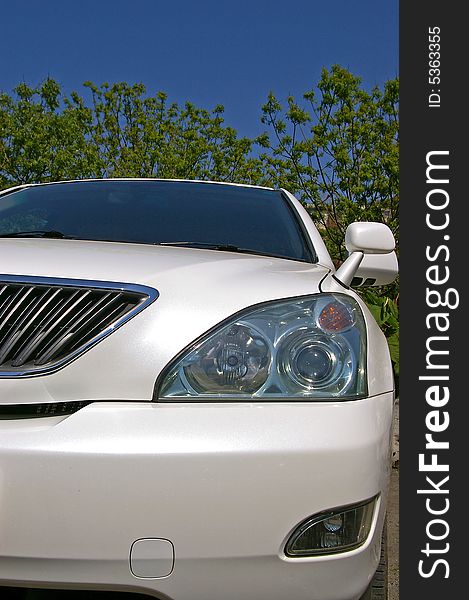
x=195, y=214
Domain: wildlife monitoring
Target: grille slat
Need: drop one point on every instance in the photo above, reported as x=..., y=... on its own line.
x=74, y=313
x=12, y=306
x=56, y=325
x=3, y=296
x=31, y=329
x=18, y=333
x=82, y=324
x=44, y=324
x=41, y=334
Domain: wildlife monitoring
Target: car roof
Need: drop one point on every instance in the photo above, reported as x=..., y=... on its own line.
x=26, y=185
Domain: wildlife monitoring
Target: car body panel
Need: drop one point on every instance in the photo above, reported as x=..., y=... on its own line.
x=225, y=483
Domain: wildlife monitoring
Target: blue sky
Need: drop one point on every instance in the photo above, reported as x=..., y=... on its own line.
x=209, y=52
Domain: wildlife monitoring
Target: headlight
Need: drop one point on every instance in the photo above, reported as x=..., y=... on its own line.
x=310, y=347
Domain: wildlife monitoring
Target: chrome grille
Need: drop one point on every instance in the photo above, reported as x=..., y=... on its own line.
x=44, y=323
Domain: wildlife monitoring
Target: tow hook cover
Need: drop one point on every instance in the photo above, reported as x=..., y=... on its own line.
x=151, y=558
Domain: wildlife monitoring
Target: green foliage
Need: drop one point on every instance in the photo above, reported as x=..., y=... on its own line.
x=339, y=153
x=43, y=138
x=145, y=136
x=46, y=136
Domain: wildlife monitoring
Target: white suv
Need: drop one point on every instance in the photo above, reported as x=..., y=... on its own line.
x=194, y=405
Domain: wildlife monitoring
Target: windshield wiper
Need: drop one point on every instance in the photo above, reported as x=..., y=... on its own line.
x=39, y=233
x=223, y=247
x=203, y=245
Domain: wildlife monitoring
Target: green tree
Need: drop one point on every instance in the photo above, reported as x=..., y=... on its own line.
x=44, y=137
x=144, y=136
x=121, y=132
x=338, y=151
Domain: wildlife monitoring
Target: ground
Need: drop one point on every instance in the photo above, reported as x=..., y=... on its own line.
x=393, y=517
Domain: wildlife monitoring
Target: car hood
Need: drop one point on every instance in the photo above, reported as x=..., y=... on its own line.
x=197, y=288
x=171, y=270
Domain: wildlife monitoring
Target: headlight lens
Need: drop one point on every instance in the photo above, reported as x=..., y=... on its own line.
x=311, y=347
x=236, y=360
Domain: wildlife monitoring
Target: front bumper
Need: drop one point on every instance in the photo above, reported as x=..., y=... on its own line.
x=225, y=483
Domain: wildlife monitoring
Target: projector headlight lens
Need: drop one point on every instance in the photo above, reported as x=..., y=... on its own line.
x=236, y=360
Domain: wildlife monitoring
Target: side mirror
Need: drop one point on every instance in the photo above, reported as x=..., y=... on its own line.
x=371, y=260
x=369, y=238
x=376, y=269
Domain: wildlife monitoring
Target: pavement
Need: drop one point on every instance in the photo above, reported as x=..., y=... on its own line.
x=393, y=515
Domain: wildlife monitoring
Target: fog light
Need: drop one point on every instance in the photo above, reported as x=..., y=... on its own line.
x=333, y=531
x=334, y=523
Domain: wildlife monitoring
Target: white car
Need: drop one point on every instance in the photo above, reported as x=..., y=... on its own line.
x=194, y=403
